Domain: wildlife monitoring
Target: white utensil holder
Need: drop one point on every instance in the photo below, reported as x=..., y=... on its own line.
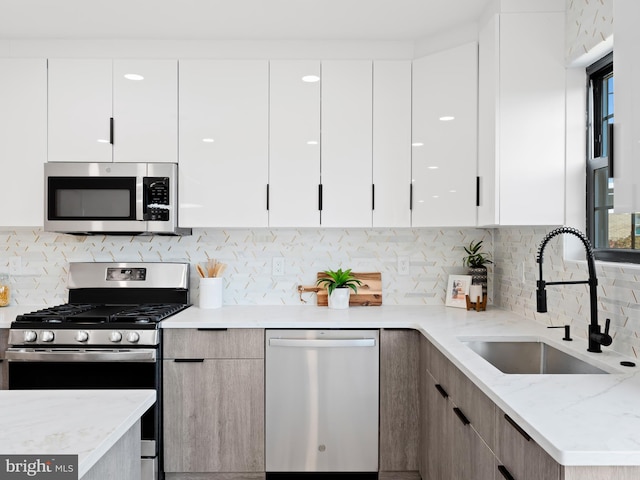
x=210, y=292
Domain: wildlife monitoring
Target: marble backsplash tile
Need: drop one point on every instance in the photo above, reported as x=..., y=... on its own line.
x=434, y=254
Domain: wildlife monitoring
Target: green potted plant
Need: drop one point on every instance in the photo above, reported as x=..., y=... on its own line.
x=339, y=284
x=476, y=261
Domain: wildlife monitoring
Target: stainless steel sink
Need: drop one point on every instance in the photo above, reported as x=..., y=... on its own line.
x=530, y=357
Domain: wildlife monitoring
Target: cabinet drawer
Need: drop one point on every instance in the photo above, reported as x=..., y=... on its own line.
x=477, y=407
x=213, y=343
x=520, y=455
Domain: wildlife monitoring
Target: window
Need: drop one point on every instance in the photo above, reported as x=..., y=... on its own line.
x=614, y=236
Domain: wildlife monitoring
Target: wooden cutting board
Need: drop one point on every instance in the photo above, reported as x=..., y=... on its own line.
x=369, y=293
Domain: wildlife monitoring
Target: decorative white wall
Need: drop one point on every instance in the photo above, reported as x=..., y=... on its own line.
x=618, y=289
x=433, y=253
x=589, y=28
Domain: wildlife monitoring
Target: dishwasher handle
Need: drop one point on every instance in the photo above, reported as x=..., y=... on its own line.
x=320, y=343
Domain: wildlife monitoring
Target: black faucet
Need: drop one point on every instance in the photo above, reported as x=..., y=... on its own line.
x=596, y=337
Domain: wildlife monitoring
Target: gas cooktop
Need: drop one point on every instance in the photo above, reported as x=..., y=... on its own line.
x=71, y=315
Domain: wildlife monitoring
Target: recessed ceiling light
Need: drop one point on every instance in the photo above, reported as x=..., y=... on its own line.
x=452, y=191
x=417, y=144
x=102, y=140
x=208, y=140
x=436, y=196
x=312, y=142
x=433, y=167
x=133, y=76
x=311, y=78
x=446, y=118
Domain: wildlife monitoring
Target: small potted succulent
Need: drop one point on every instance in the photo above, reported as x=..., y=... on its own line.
x=339, y=284
x=476, y=262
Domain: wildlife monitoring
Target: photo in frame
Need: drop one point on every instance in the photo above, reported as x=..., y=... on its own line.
x=457, y=289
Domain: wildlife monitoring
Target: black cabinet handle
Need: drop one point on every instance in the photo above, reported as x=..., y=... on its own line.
x=441, y=391
x=267, y=196
x=513, y=423
x=188, y=360
x=477, y=191
x=320, y=197
x=212, y=329
x=373, y=196
x=461, y=416
x=111, y=132
x=411, y=196
x=505, y=473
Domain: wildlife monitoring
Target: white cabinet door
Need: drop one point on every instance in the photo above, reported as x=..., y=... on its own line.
x=145, y=109
x=346, y=143
x=523, y=159
x=23, y=140
x=445, y=138
x=488, y=95
x=391, y=143
x=80, y=110
x=224, y=122
x=294, y=143
x=626, y=66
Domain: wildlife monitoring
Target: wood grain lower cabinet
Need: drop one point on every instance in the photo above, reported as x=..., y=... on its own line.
x=454, y=411
x=399, y=400
x=214, y=404
x=519, y=455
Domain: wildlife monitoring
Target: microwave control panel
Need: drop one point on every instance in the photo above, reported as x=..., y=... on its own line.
x=156, y=205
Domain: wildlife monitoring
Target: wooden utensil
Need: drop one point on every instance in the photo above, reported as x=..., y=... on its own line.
x=200, y=271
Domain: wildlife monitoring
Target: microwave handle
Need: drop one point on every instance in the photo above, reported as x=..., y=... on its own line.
x=141, y=198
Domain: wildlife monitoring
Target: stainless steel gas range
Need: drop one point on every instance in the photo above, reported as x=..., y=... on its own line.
x=106, y=337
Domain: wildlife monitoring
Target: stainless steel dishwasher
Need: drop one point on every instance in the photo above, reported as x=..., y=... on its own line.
x=322, y=400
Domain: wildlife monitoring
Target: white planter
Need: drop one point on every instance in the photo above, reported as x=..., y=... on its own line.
x=339, y=298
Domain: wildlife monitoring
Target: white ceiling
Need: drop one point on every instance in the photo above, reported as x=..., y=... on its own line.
x=234, y=19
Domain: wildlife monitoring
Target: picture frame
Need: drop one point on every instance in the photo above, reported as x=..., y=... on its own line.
x=457, y=290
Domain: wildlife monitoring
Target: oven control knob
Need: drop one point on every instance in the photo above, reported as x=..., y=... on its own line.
x=82, y=336
x=133, y=337
x=30, y=336
x=47, y=336
x=115, y=337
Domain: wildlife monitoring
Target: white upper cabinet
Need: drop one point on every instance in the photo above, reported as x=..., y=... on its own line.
x=23, y=140
x=294, y=143
x=84, y=97
x=391, y=143
x=445, y=138
x=224, y=143
x=626, y=66
x=346, y=120
x=522, y=119
x=80, y=110
x=145, y=109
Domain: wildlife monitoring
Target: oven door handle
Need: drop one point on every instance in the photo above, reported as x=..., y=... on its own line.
x=80, y=355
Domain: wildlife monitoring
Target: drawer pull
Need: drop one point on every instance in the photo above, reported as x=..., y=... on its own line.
x=463, y=418
x=188, y=360
x=441, y=391
x=517, y=427
x=505, y=473
x=212, y=329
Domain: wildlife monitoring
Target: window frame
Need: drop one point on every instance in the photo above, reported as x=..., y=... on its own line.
x=596, y=159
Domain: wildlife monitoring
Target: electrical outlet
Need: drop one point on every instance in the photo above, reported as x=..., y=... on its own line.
x=277, y=267
x=403, y=265
x=15, y=265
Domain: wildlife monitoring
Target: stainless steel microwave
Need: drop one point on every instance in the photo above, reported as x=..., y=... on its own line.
x=127, y=198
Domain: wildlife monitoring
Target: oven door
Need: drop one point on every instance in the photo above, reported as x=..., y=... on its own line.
x=70, y=369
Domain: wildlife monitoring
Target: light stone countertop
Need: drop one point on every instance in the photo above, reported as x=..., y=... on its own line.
x=578, y=419
x=86, y=423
